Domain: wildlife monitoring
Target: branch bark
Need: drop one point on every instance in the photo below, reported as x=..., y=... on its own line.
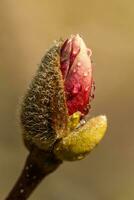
x=38, y=165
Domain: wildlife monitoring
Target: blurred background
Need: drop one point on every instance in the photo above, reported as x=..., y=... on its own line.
x=27, y=29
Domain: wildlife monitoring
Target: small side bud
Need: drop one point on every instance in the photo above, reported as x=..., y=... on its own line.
x=81, y=141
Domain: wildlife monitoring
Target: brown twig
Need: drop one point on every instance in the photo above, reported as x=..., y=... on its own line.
x=38, y=165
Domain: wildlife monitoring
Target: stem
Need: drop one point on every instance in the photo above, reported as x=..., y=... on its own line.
x=38, y=165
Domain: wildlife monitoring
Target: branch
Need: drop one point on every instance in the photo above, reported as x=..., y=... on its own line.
x=38, y=165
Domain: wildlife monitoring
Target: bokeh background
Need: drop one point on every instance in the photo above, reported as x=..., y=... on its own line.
x=27, y=29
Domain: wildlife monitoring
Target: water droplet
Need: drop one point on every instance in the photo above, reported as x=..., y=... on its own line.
x=75, y=90
x=85, y=74
x=74, y=70
x=82, y=122
x=74, y=53
x=78, y=64
x=80, y=157
x=86, y=89
x=21, y=190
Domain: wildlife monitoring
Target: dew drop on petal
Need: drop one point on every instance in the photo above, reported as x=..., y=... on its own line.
x=85, y=74
x=75, y=90
x=74, y=70
x=74, y=52
x=86, y=89
x=78, y=64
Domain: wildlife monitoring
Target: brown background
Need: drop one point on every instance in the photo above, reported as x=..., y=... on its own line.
x=27, y=28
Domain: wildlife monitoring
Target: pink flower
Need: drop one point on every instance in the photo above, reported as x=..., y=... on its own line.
x=77, y=74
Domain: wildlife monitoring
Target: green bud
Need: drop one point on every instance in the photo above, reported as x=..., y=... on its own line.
x=81, y=140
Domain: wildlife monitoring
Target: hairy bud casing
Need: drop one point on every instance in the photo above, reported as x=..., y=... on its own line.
x=44, y=112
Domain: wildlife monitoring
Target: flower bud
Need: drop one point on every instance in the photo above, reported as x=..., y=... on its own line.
x=81, y=140
x=77, y=73
x=54, y=109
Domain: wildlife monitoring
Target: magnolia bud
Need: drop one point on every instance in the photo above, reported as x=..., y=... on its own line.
x=54, y=110
x=77, y=73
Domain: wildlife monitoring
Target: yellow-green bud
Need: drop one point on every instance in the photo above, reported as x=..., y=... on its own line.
x=82, y=140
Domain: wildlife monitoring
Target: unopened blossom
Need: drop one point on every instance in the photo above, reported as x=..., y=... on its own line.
x=75, y=60
x=54, y=110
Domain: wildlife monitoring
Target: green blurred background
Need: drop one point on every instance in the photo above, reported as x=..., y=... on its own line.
x=27, y=29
